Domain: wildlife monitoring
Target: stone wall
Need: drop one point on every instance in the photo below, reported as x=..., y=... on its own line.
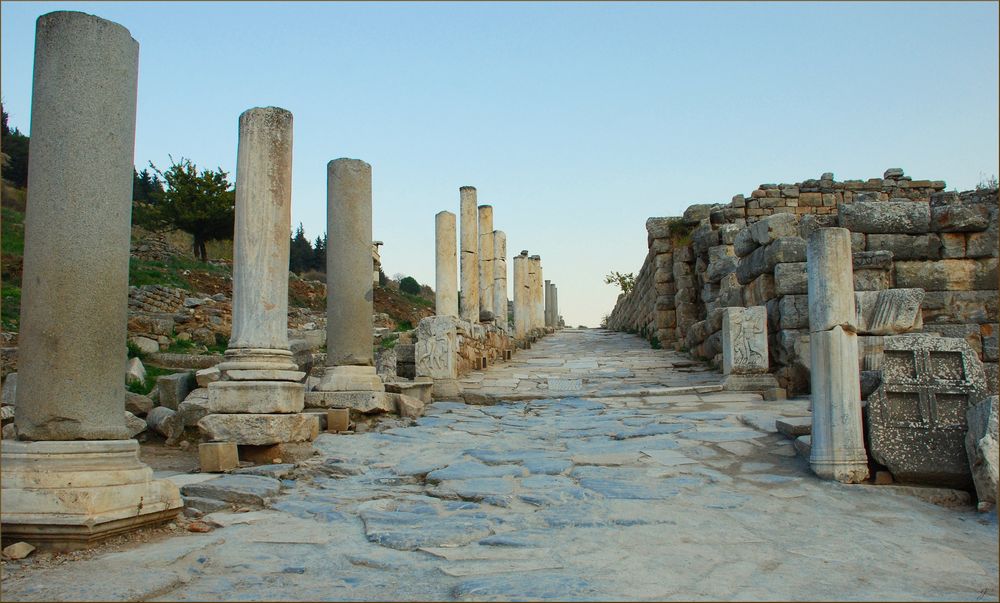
x=751, y=252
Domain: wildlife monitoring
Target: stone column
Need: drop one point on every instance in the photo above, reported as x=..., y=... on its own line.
x=522, y=295
x=350, y=364
x=446, y=265
x=548, y=304
x=259, y=374
x=75, y=476
x=470, y=254
x=838, y=450
x=537, y=293
x=486, y=258
x=555, y=306
x=500, y=278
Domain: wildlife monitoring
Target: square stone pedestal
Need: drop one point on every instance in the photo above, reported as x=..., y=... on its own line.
x=67, y=495
x=350, y=379
x=259, y=397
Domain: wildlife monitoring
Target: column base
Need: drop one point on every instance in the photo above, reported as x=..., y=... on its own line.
x=67, y=495
x=259, y=397
x=764, y=384
x=350, y=379
x=259, y=364
x=446, y=389
x=849, y=468
x=259, y=429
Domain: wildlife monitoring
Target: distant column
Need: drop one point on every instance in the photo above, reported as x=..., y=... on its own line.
x=486, y=258
x=446, y=265
x=838, y=450
x=522, y=296
x=470, y=254
x=350, y=363
x=555, y=306
x=537, y=293
x=548, y=303
x=500, y=278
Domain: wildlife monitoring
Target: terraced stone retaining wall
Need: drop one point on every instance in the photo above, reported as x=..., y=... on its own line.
x=905, y=233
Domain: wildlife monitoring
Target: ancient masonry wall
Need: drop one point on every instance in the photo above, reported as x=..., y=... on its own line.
x=905, y=233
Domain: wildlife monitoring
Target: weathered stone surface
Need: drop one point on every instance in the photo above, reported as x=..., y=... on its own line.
x=744, y=243
x=134, y=371
x=889, y=312
x=8, y=395
x=259, y=397
x=134, y=424
x=981, y=445
x=207, y=375
x=831, y=286
x=977, y=307
x=874, y=217
x=145, y=344
x=137, y=404
x=161, y=420
x=744, y=340
x=794, y=427
x=194, y=407
x=791, y=279
x=259, y=429
x=948, y=275
x=794, y=312
x=984, y=244
x=763, y=259
x=771, y=228
x=917, y=416
x=437, y=346
x=252, y=490
x=966, y=217
x=906, y=247
x=174, y=388
x=872, y=260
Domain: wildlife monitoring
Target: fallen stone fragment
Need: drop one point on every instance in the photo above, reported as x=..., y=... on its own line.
x=18, y=550
x=138, y=404
x=134, y=424
x=982, y=447
x=199, y=526
x=251, y=490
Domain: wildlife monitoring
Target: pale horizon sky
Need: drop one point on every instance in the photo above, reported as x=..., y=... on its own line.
x=575, y=121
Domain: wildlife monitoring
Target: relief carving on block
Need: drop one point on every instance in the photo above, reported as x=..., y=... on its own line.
x=889, y=312
x=744, y=346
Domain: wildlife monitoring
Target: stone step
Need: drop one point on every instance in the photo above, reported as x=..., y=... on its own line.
x=794, y=427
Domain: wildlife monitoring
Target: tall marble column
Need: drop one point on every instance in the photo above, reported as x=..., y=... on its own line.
x=74, y=476
x=446, y=265
x=548, y=304
x=259, y=374
x=486, y=258
x=555, y=306
x=470, y=254
x=500, y=278
x=522, y=296
x=350, y=363
x=838, y=450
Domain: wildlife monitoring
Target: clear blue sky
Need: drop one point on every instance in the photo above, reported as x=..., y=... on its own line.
x=575, y=121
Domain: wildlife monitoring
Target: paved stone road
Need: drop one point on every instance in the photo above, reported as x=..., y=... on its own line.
x=621, y=489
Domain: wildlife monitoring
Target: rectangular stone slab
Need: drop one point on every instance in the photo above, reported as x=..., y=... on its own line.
x=259, y=429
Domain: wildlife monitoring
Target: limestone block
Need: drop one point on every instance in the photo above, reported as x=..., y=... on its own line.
x=134, y=424
x=338, y=419
x=981, y=445
x=763, y=259
x=877, y=217
x=917, y=416
x=360, y=401
x=966, y=217
x=977, y=307
x=759, y=291
x=206, y=376
x=145, y=344
x=872, y=260
x=259, y=429
x=8, y=394
x=137, y=404
x=407, y=406
x=744, y=243
x=906, y=247
x=771, y=228
x=721, y=267
x=218, y=457
x=793, y=312
x=744, y=340
x=948, y=275
x=889, y=312
x=791, y=279
x=658, y=228
x=727, y=233
x=988, y=333
x=193, y=408
x=984, y=244
x=174, y=388
x=872, y=280
x=134, y=371
x=952, y=245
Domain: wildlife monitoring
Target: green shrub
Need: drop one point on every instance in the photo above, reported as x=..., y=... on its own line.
x=409, y=285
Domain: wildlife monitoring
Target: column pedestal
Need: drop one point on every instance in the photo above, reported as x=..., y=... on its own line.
x=68, y=495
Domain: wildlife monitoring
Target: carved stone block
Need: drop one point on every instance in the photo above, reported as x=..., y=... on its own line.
x=744, y=340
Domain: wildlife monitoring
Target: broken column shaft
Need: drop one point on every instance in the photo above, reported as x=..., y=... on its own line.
x=500, y=278
x=486, y=258
x=469, y=254
x=522, y=296
x=446, y=265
